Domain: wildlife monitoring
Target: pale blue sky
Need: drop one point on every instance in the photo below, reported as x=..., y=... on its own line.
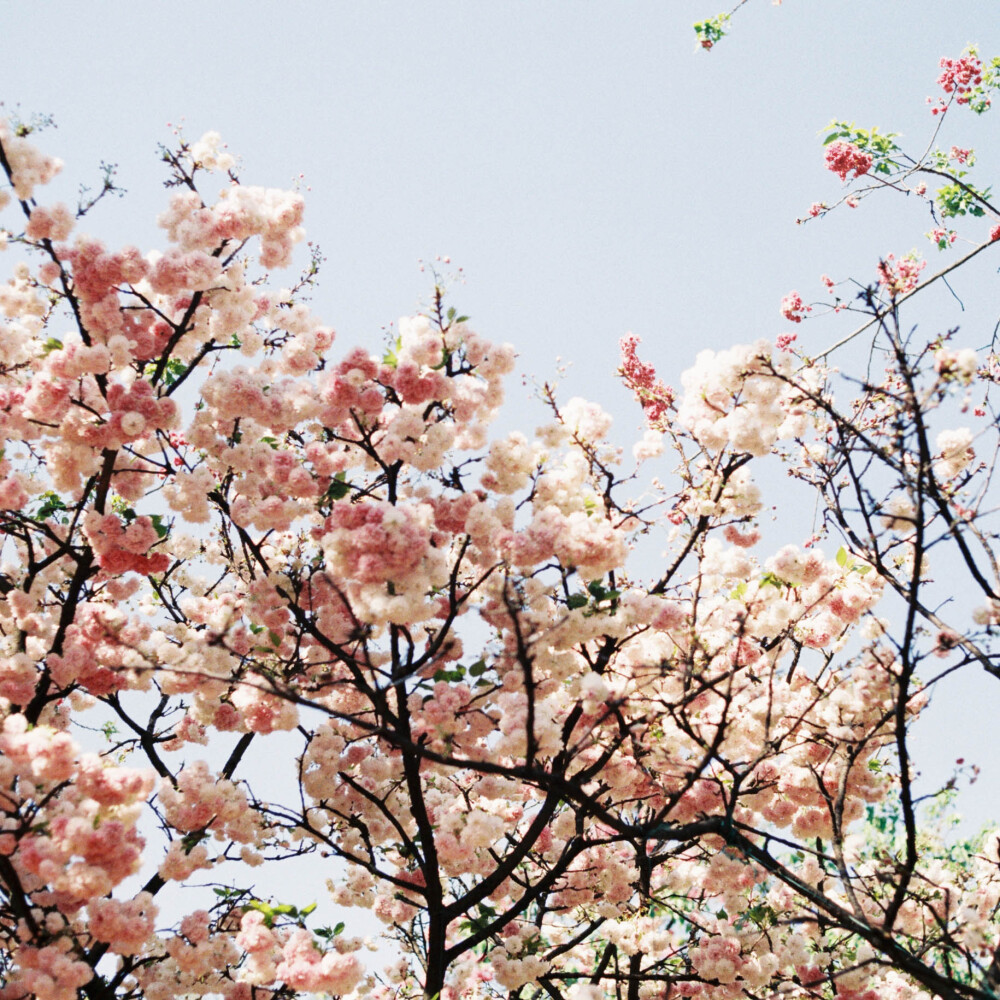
x=587, y=167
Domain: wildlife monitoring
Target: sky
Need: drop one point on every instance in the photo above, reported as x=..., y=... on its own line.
x=590, y=171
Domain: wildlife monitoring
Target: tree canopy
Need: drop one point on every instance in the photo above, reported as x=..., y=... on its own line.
x=269, y=603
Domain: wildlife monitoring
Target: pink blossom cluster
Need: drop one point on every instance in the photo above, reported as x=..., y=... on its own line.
x=100, y=652
x=739, y=398
x=902, y=275
x=29, y=167
x=587, y=543
x=178, y=271
x=48, y=973
x=201, y=801
x=208, y=153
x=655, y=398
x=55, y=223
x=294, y=959
x=253, y=707
x=376, y=542
x=122, y=549
x=844, y=157
x=793, y=308
x=80, y=840
x=125, y=927
x=718, y=958
x=944, y=238
x=303, y=967
x=81, y=861
x=98, y=273
x=198, y=951
x=959, y=76
x=241, y=214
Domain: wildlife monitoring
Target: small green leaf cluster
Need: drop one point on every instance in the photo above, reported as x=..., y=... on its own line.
x=51, y=504
x=711, y=30
x=846, y=561
x=329, y=933
x=391, y=356
x=457, y=674
x=942, y=160
x=767, y=579
x=272, y=911
x=338, y=489
x=596, y=595
x=174, y=370
x=960, y=199
x=484, y=916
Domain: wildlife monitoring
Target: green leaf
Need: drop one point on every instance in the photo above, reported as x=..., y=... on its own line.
x=172, y=371
x=601, y=593
x=51, y=503
x=711, y=30
x=577, y=601
x=842, y=556
x=391, y=356
x=338, y=488
x=478, y=668
x=954, y=200
x=261, y=907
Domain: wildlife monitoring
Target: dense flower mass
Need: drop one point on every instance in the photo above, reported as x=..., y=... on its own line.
x=655, y=398
x=842, y=158
x=959, y=76
x=564, y=728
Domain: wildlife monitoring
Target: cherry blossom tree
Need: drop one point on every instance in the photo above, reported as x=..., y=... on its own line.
x=327, y=616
